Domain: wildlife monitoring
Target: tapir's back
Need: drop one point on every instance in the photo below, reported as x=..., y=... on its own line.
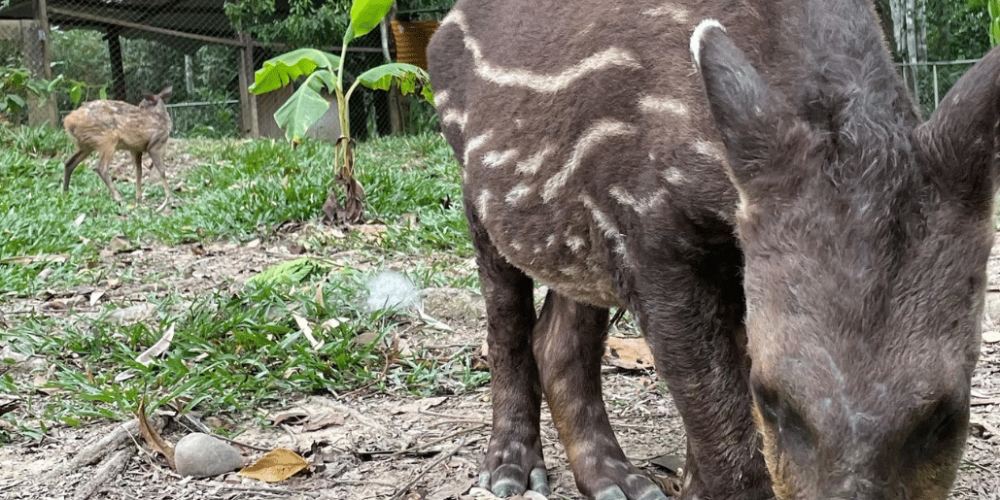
x=578, y=125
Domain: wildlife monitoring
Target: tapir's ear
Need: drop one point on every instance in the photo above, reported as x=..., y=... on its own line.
x=742, y=103
x=961, y=137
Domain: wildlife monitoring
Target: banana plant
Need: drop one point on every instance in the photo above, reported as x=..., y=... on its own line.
x=306, y=105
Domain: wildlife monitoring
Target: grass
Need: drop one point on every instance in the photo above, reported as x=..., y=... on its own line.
x=231, y=352
x=238, y=191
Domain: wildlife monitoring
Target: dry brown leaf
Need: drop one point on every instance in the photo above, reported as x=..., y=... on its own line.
x=56, y=258
x=422, y=404
x=628, y=353
x=153, y=438
x=120, y=245
x=307, y=330
x=330, y=324
x=319, y=295
x=278, y=465
x=156, y=349
x=324, y=420
x=292, y=417
x=95, y=296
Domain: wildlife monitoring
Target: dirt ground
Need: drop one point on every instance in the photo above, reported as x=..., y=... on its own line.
x=378, y=446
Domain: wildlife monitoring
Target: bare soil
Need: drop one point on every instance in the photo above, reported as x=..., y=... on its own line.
x=381, y=446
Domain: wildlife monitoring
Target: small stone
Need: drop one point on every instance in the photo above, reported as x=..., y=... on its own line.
x=201, y=455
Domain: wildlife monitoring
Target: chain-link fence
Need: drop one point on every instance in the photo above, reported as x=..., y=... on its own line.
x=121, y=49
x=929, y=81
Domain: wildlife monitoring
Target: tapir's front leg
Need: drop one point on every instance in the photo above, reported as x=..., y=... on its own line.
x=514, y=458
x=569, y=342
x=695, y=330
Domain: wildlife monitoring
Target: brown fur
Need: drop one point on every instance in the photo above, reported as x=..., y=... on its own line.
x=786, y=184
x=106, y=126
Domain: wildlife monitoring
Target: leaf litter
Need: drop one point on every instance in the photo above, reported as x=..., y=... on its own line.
x=375, y=445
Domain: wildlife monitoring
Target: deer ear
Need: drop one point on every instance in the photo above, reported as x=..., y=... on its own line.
x=743, y=105
x=961, y=137
x=165, y=93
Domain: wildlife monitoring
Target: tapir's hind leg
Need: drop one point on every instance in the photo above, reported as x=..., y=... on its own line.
x=514, y=457
x=569, y=342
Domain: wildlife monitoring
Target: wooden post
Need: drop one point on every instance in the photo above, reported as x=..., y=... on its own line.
x=118, y=90
x=39, y=59
x=248, y=101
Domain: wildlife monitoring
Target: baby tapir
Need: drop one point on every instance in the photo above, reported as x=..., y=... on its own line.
x=106, y=126
x=752, y=181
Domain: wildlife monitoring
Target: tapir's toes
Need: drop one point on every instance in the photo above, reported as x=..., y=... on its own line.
x=633, y=486
x=509, y=480
x=514, y=467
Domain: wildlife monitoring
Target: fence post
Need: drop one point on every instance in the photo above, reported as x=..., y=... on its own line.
x=35, y=44
x=937, y=90
x=114, y=41
x=248, y=101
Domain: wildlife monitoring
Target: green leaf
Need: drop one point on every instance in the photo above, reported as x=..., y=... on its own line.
x=17, y=100
x=365, y=16
x=51, y=87
x=290, y=272
x=995, y=31
x=407, y=75
x=104, y=92
x=302, y=109
x=282, y=70
x=76, y=93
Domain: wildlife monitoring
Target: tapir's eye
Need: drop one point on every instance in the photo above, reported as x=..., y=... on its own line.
x=767, y=403
x=784, y=419
x=939, y=430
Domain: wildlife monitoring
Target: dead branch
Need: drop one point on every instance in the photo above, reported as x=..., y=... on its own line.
x=96, y=451
x=105, y=473
x=428, y=444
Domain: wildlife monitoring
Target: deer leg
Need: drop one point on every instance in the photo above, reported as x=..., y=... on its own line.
x=569, y=342
x=102, y=170
x=514, y=457
x=698, y=341
x=71, y=165
x=157, y=156
x=137, y=159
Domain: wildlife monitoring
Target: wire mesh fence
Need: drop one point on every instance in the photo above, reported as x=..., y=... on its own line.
x=119, y=50
x=929, y=81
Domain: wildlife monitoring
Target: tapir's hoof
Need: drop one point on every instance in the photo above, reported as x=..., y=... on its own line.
x=512, y=468
x=620, y=482
x=508, y=480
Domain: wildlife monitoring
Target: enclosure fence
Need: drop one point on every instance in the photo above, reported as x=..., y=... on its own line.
x=119, y=50
x=929, y=81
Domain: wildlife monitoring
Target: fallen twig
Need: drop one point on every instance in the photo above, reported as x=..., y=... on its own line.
x=98, y=450
x=428, y=444
x=260, y=489
x=455, y=418
x=107, y=471
x=440, y=458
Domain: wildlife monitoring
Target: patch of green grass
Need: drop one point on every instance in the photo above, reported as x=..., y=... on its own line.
x=229, y=354
x=239, y=190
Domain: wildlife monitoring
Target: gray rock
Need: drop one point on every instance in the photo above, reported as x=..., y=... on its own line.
x=201, y=455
